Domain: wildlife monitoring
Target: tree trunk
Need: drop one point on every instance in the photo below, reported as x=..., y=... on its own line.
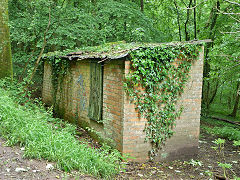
x=178, y=20
x=142, y=5
x=210, y=36
x=42, y=50
x=195, y=20
x=235, y=108
x=214, y=93
x=5, y=46
x=187, y=36
x=206, y=69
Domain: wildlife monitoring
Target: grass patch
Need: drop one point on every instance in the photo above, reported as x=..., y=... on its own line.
x=30, y=127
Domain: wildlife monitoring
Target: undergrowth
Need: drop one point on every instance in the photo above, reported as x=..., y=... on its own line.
x=219, y=110
x=49, y=138
x=221, y=129
x=224, y=132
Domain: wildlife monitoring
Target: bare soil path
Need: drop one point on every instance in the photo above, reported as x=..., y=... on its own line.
x=14, y=167
x=204, y=166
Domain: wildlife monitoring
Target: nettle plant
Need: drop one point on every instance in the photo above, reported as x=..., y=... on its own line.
x=154, y=84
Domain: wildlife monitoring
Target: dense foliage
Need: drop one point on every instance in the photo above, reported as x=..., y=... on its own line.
x=217, y=20
x=72, y=25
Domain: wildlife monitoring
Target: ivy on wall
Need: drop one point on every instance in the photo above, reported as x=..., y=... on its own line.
x=154, y=84
x=59, y=68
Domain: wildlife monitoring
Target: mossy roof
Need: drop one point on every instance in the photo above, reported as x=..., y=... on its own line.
x=110, y=51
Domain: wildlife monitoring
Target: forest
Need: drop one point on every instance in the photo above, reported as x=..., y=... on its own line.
x=42, y=26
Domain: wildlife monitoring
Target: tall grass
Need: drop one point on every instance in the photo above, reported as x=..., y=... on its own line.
x=30, y=128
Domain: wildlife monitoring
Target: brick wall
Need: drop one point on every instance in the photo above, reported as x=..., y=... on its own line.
x=73, y=93
x=47, y=85
x=113, y=93
x=133, y=126
x=184, y=143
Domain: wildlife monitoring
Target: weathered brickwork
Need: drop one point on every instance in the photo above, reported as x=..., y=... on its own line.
x=72, y=99
x=47, y=85
x=122, y=122
x=113, y=99
x=184, y=143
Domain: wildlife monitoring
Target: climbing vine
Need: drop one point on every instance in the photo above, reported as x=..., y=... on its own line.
x=59, y=70
x=154, y=84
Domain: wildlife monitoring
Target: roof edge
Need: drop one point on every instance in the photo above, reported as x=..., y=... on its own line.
x=103, y=56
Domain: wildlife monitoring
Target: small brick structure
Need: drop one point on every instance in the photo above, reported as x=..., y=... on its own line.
x=122, y=123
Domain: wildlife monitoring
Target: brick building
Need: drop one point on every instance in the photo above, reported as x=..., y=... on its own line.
x=92, y=91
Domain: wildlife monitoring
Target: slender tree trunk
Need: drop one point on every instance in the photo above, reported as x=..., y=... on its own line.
x=178, y=20
x=210, y=36
x=142, y=5
x=42, y=50
x=195, y=21
x=214, y=93
x=206, y=70
x=187, y=36
x=235, y=108
x=5, y=46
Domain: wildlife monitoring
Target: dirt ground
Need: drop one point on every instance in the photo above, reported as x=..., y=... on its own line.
x=204, y=166
x=14, y=166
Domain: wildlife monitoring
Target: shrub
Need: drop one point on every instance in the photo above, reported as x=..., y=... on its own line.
x=224, y=132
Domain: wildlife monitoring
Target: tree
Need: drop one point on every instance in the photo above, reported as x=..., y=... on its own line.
x=202, y=19
x=235, y=108
x=5, y=47
x=74, y=24
x=142, y=5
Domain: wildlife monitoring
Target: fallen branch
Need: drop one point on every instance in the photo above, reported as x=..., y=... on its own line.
x=225, y=120
x=233, y=2
x=228, y=15
x=229, y=32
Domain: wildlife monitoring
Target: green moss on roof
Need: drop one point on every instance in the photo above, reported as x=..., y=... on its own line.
x=111, y=50
x=113, y=46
